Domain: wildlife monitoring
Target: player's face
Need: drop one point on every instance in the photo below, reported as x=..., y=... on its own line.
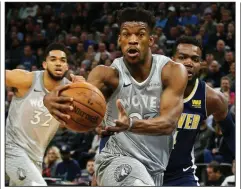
x=135, y=40
x=56, y=64
x=190, y=56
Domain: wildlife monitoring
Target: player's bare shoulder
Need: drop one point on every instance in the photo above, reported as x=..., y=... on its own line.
x=175, y=72
x=20, y=80
x=105, y=73
x=106, y=78
x=216, y=102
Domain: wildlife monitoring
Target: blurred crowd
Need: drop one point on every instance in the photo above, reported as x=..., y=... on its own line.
x=90, y=32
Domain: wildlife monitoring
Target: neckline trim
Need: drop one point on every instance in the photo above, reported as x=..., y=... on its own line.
x=192, y=93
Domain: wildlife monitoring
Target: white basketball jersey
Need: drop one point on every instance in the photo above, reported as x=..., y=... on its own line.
x=29, y=124
x=141, y=101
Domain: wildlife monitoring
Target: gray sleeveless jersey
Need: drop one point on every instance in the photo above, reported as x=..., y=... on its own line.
x=141, y=101
x=29, y=124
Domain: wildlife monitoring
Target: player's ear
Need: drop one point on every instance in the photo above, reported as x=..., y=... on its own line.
x=151, y=41
x=44, y=64
x=118, y=40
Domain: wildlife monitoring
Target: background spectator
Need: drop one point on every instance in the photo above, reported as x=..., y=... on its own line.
x=217, y=148
x=69, y=168
x=215, y=177
x=28, y=59
x=87, y=174
x=51, y=159
x=214, y=73
x=202, y=142
x=230, y=180
x=229, y=59
x=226, y=89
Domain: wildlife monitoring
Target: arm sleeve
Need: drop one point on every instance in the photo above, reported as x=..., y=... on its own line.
x=228, y=129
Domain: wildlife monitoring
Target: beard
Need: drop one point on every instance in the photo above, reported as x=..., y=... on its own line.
x=56, y=78
x=193, y=80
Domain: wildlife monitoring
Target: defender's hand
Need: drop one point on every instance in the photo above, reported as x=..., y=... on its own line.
x=122, y=124
x=57, y=104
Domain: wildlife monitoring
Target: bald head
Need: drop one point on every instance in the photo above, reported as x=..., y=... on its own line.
x=214, y=66
x=220, y=45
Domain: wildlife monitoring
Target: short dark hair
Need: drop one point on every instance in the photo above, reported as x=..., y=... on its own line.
x=215, y=166
x=136, y=14
x=55, y=46
x=187, y=40
x=91, y=160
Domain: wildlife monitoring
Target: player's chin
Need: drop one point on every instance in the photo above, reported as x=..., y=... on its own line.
x=58, y=77
x=191, y=80
x=133, y=60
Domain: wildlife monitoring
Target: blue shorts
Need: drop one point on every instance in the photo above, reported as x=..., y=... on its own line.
x=183, y=179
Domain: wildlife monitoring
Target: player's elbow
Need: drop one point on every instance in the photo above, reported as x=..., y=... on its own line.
x=170, y=126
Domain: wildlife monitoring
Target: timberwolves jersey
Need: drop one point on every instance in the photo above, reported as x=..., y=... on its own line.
x=141, y=101
x=29, y=124
x=194, y=112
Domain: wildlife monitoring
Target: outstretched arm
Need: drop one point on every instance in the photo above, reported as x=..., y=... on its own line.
x=217, y=105
x=174, y=79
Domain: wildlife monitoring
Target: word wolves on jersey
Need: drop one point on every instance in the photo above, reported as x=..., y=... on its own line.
x=149, y=102
x=37, y=103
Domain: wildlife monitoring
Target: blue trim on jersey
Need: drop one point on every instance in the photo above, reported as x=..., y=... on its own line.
x=103, y=142
x=188, y=178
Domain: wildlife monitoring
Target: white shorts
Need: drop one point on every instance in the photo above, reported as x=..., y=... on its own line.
x=21, y=170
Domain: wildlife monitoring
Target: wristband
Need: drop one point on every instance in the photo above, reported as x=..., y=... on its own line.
x=130, y=124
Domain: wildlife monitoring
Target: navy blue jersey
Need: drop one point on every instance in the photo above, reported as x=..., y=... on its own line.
x=194, y=112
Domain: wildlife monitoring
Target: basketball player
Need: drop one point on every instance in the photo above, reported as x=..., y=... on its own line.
x=200, y=101
x=29, y=126
x=145, y=100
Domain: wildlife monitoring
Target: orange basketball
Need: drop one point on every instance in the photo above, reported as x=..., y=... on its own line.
x=89, y=106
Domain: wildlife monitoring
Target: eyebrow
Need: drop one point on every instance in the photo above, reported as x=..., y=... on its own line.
x=55, y=57
x=188, y=54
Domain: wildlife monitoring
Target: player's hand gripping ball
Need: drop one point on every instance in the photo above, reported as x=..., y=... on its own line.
x=89, y=106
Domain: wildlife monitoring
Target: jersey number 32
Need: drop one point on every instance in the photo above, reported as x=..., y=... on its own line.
x=36, y=119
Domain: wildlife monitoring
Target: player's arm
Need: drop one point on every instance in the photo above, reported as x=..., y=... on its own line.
x=104, y=78
x=100, y=77
x=174, y=80
x=217, y=105
x=19, y=79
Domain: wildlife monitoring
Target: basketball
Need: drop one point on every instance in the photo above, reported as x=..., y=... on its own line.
x=89, y=106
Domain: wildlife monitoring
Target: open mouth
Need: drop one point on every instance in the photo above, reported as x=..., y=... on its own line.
x=132, y=52
x=58, y=71
x=190, y=73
